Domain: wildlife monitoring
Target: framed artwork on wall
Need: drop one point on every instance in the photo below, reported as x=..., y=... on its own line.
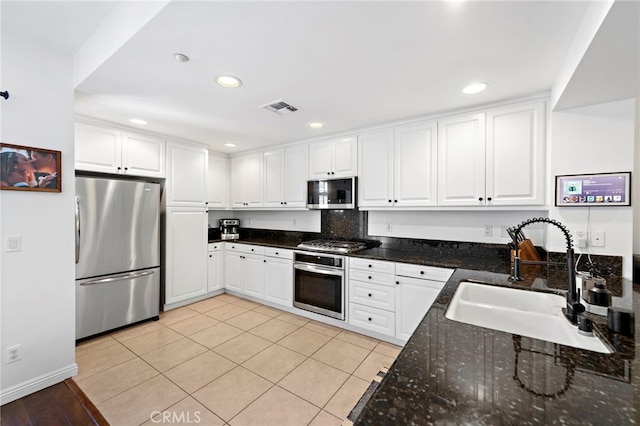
x=25, y=168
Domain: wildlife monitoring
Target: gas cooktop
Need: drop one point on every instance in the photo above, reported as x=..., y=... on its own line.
x=332, y=246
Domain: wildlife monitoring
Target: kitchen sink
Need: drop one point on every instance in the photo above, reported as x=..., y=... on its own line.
x=527, y=313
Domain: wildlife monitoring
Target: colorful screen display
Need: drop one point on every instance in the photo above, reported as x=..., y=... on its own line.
x=605, y=189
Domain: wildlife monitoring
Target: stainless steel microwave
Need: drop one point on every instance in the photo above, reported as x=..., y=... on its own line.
x=339, y=193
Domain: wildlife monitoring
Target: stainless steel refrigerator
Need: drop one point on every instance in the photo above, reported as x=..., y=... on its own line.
x=117, y=253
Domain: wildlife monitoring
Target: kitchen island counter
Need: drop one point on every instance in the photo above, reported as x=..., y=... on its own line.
x=455, y=373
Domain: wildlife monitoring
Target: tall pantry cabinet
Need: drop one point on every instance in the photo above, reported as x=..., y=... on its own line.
x=186, y=223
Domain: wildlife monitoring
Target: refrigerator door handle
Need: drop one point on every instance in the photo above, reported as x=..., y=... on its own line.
x=122, y=277
x=77, y=229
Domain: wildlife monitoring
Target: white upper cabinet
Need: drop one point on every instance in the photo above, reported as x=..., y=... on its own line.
x=502, y=166
x=375, y=181
x=108, y=150
x=218, y=182
x=516, y=154
x=461, y=160
x=285, y=177
x=247, y=181
x=398, y=168
x=333, y=158
x=187, y=178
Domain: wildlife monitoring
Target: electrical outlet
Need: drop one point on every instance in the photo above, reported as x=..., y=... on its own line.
x=13, y=354
x=488, y=230
x=389, y=227
x=597, y=239
x=295, y=223
x=582, y=239
x=503, y=232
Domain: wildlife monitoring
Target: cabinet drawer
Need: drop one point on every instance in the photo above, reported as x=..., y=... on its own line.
x=372, y=265
x=373, y=319
x=278, y=252
x=214, y=246
x=245, y=248
x=423, y=272
x=371, y=277
x=374, y=295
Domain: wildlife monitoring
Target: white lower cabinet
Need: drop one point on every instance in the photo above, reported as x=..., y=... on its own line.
x=186, y=254
x=244, y=269
x=215, y=267
x=392, y=298
x=414, y=297
x=279, y=276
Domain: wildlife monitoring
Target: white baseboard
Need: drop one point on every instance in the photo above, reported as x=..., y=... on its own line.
x=38, y=383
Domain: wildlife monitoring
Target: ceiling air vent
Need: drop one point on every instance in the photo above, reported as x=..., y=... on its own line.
x=280, y=107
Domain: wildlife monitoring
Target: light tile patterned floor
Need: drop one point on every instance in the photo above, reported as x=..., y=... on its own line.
x=226, y=360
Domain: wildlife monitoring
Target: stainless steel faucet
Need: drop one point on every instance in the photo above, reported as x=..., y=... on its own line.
x=573, y=307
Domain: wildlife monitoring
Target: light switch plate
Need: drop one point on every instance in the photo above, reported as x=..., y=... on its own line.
x=14, y=244
x=596, y=239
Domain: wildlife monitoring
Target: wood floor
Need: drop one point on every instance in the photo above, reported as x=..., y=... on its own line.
x=61, y=404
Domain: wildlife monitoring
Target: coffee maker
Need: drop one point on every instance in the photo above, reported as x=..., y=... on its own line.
x=230, y=229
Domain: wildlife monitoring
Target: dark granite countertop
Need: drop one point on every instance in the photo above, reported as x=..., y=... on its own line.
x=454, y=373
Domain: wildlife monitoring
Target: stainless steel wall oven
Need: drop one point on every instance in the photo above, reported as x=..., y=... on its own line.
x=320, y=283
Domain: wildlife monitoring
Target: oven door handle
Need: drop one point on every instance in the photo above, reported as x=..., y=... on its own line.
x=318, y=269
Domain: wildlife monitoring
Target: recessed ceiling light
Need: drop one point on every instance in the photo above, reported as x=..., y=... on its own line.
x=316, y=125
x=228, y=81
x=138, y=121
x=180, y=57
x=230, y=145
x=474, y=88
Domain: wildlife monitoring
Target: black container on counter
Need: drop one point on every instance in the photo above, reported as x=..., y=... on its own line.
x=621, y=320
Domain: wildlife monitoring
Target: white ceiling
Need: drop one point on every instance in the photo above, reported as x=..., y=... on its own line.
x=348, y=64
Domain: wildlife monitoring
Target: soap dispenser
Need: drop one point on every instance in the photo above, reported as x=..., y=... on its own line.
x=599, y=294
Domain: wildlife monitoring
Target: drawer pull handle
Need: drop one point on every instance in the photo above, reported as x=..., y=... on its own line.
x=277, y=253
x=370, y=266
x=421, y=272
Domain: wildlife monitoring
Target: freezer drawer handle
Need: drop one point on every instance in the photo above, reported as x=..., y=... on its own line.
x=118, y=278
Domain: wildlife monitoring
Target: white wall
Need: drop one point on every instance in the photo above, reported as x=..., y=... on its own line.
x=37, y=292
x=294, y=220
x=594, y=139
x=635, y=199
x=451, y=225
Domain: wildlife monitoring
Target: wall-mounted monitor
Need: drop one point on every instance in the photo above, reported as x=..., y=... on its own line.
x=591, y=190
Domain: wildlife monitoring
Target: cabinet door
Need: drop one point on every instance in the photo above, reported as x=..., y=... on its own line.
x=218, y=182
x=234, y=271
x=215, y=271
x=413, y=299
x=98, y=149
x=345, y=157
x=246, y=185
x=320, y=159
x=295, y=175
x=515, y=155
x=187, y=179
x=415, y=166
x=461, y=161
x=254, y=267
x=279, y=281
x=186, y=254
x=375, y=181
x=274, y=178
x=143, y=155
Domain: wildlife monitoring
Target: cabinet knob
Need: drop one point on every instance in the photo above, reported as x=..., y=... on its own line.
x=281, y=203
x=369, y=266
x=277, y=253
x=488, y=198
x=369, y=294
x=251, y=249
x=395, y=201
x=369, y=276
x=369, y=319
x=328, y=173
x=285, y=202
x=210, y=255
x=119, y=168
x=480, y=199
x=389, y=200
x=333, y=173
x=264, y=261
x=126, y=168
x=421, y=272
x=397, y=282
